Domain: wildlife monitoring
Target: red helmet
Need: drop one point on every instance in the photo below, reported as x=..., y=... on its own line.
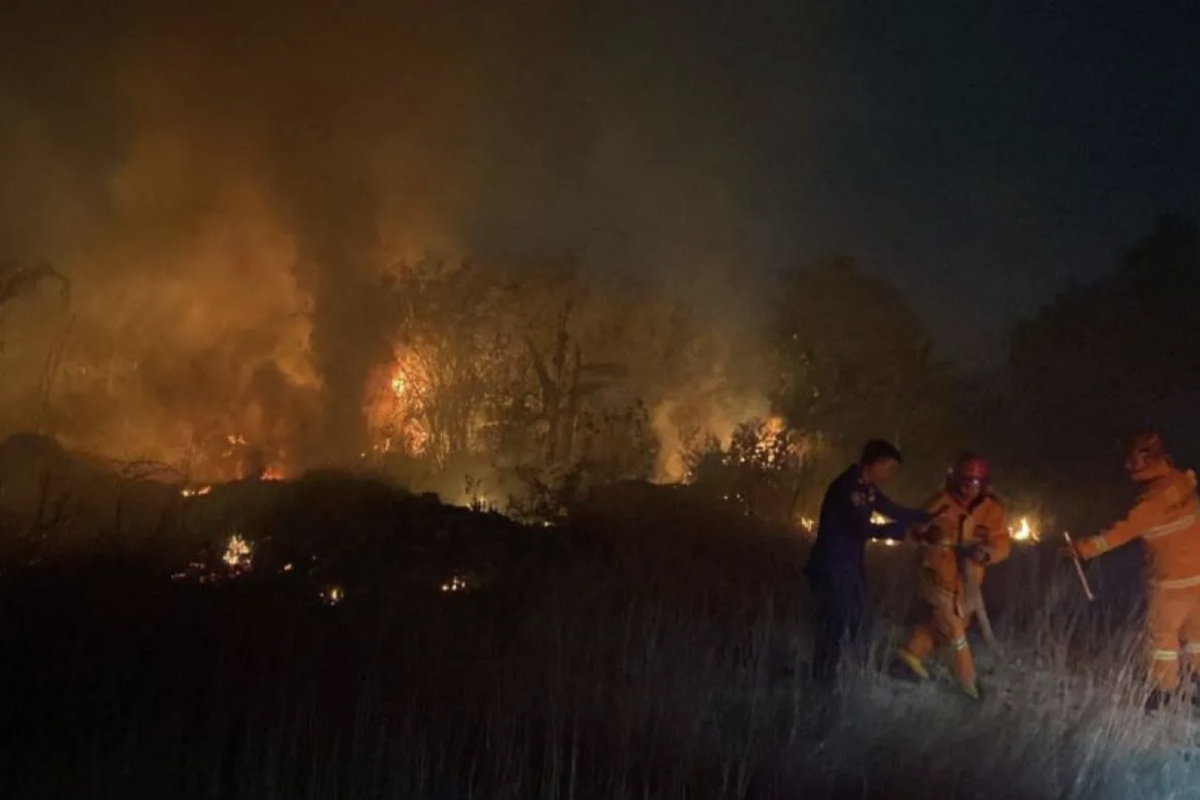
x=971, y=467
x=1145, y=450
x=969, y=470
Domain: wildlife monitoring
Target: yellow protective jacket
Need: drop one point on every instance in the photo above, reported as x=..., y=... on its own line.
x=1167, y=516
x=984, y=523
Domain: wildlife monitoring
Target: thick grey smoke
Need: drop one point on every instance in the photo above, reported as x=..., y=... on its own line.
x=224, y=181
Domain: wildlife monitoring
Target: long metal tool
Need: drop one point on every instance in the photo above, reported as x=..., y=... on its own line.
x=974, y=606
x=1087, y=589
x=972, y=600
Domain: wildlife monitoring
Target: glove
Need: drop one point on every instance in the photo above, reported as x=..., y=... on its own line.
x=939, y=511
x=972, y=552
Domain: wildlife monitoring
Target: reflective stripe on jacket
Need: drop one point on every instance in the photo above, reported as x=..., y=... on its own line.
x=1167, y=516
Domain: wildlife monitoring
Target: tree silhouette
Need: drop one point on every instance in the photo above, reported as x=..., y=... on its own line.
x=1111, y=356
x=854, y=361
x=17, y=279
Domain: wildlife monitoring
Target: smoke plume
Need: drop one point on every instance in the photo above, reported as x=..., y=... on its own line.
x=224, y=182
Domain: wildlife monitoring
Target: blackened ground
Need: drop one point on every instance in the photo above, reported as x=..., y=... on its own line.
x=650, y=648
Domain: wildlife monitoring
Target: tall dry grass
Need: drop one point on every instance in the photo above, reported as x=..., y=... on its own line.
x=663, y=657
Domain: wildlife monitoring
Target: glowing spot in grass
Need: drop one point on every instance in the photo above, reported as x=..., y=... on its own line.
x=239, y=555
x=456, y=585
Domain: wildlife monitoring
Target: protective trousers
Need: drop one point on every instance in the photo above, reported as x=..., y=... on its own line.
x=840, y=607
x=1173, y=625
x=946, y=626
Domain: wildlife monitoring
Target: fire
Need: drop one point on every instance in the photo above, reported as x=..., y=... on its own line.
x=773, y=445
x=455, y=585
x=272, y=474
x=406, y=380
x=197, y=492
x=239, y=555
x=416, y=437
x=399, y=382
x=1024, y=531
x=396, y=413
x=237, y=560
x=332, y=595
x=808, y=524
x=480, y=502
x=773, y=430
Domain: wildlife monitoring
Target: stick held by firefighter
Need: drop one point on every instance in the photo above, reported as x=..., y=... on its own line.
x=1083, y=581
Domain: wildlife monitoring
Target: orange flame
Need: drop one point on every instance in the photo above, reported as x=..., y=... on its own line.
x=395, y=414
x=272, y=474
x=399, y=382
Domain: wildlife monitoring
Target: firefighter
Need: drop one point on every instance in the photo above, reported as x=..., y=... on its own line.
x=1167, y=516
x=958, y=547
x=836, y=567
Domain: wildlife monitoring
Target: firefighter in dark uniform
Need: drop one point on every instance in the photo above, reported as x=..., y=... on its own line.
x=837, y=565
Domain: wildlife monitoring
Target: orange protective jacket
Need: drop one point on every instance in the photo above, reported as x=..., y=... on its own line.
x=984, y=523
x=1167, y=516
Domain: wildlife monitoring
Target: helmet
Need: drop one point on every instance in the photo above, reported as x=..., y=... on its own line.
x=971, y=467
x=969, y=470
x=1145, y=450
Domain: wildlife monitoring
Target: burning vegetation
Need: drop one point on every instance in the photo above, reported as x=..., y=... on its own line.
x=512, y=363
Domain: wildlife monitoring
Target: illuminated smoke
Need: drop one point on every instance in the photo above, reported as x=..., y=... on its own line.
x=224, y=183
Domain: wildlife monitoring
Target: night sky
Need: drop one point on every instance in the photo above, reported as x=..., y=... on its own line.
x=983, y=154
x=979, y=154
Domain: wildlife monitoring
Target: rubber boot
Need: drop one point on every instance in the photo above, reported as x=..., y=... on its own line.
x=908, y=667
x=1158, y=700
x=973, y=690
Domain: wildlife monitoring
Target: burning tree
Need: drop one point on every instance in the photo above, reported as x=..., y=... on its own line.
x=456, y=358
x=544, y=370
x=497, y=358
x=397, y=403
x=760, y=470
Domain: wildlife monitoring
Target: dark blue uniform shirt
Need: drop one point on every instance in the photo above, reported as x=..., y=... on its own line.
x=845, y=527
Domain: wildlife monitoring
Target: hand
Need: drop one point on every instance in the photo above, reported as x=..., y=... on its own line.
x=939, y=511
x=974, y=552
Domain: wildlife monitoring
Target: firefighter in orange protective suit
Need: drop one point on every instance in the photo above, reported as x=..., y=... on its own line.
x=958, y=547
x=1167, y=516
